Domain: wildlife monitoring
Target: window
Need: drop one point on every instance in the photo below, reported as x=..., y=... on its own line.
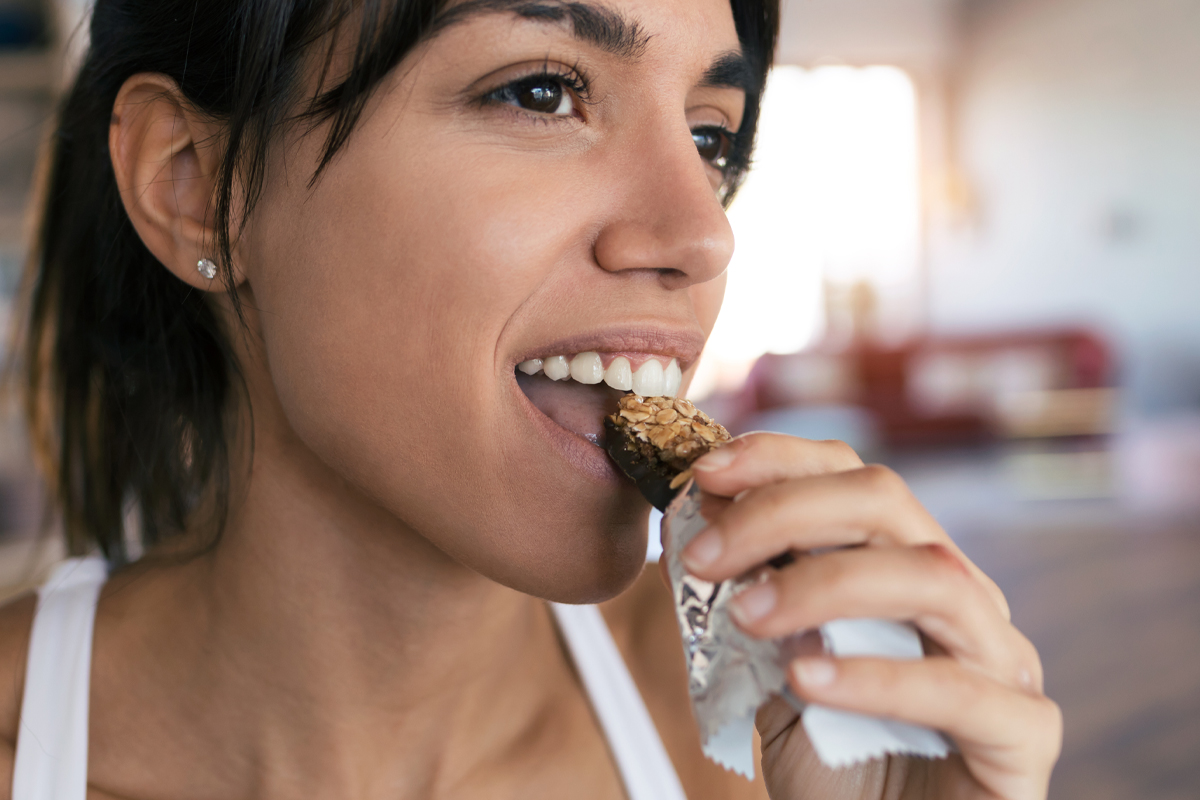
x=833, y=198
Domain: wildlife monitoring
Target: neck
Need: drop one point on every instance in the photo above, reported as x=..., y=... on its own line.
x=324, y=649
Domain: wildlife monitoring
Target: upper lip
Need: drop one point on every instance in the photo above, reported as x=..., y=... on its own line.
x=678, y=343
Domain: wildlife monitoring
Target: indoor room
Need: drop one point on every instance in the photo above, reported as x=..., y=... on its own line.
x=968, y=247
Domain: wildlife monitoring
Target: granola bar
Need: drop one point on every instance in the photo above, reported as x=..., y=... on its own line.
x=654, y=441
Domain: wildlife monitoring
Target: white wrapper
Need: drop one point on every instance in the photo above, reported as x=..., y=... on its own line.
x=731, y=674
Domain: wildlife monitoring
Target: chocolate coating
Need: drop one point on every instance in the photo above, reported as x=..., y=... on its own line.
x=655, y=440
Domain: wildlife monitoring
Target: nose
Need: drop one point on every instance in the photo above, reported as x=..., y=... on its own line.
x=668, y=220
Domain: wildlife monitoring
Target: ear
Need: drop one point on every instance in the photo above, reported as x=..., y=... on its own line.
x=165, y=156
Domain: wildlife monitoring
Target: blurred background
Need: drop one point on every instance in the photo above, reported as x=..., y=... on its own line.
x=971, y=248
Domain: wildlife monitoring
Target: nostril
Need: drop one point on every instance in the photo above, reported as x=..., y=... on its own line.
x=672, y=279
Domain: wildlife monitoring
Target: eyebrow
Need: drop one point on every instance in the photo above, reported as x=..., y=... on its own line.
x=595, y=24
x=732, y=70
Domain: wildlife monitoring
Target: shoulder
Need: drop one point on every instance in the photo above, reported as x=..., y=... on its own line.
x=16, y=621
x=643, y=624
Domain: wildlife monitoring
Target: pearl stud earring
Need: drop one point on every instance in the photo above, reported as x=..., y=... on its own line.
x=207, y=268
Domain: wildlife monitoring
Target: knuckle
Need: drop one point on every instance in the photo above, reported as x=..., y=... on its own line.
x=948, y=587
x=996, y=595
x=1027, y=655
x=1052, y=716
x=1047, y=735
x=939, y=559
x=841, y=455
x=885, y=480
x=1056, y=742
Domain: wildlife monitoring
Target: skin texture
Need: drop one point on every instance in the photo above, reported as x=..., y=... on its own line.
x=372, y=623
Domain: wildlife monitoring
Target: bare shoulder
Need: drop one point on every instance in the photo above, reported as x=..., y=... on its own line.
x=642, y=621
x=16, y=620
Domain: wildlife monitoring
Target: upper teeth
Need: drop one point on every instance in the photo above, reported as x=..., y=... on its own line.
x=587, y=368
x=650, y=379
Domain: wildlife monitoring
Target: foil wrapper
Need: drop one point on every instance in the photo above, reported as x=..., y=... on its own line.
x=731, y=674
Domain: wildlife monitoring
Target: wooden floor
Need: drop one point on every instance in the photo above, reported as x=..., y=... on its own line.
x=1116, y=617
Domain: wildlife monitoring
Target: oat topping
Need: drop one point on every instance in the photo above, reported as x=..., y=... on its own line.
x=678, y=430
x=654, y=441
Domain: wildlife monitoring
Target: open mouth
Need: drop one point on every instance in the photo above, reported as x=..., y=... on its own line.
x=578, y=391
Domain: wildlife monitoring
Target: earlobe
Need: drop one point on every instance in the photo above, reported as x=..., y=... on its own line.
x=165, y=161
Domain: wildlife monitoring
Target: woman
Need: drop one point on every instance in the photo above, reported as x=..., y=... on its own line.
x=291, y=257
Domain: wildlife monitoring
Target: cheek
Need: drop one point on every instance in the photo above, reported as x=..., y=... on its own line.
x=385, y=297
x=384, y=277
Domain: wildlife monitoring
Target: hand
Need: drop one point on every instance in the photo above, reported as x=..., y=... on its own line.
x=982, y=680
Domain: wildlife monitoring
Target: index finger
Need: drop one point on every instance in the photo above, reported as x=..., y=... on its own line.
x=759, y=459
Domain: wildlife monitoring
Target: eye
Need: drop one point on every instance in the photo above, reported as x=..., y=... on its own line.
x=714, y=145
x=541, y=94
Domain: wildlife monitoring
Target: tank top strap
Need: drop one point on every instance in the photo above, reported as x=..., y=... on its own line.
x=637, y=748
x=52, y=743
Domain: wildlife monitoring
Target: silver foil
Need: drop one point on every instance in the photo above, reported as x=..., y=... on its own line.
x=731, y=674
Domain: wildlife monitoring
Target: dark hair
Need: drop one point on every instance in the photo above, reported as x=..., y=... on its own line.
x=129, y=375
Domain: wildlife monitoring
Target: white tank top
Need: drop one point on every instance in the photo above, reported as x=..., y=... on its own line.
x=52, y=745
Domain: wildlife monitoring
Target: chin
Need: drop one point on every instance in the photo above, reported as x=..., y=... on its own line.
x=576, y=561
x=582, y=532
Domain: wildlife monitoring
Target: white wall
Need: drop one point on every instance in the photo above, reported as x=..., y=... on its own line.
x=907, y=33
x=1079, y=135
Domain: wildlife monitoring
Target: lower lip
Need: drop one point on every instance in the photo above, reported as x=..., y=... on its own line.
x=586, y=457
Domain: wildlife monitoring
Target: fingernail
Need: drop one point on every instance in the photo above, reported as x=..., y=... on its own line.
x=754, y=603
x=814, y=672
x=716, y=460
x=705, y=549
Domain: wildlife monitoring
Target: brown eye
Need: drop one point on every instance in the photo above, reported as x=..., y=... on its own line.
x=541, y=94
x=714, y=145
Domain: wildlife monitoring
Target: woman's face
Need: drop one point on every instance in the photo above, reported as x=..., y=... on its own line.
x=527, y=184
